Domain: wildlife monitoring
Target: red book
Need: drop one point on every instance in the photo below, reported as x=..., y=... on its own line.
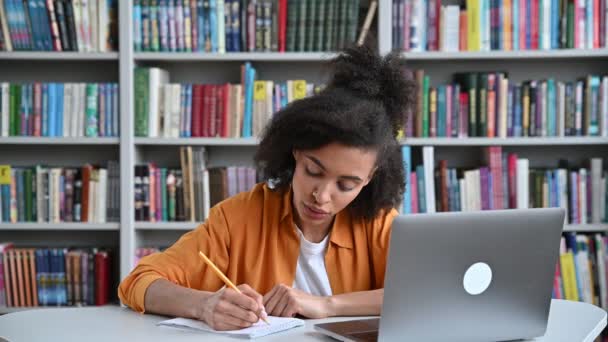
x=226, y=111
x=197, y=104
x=596, y=24
x=213, y=110
x=102, y=278
x=462, y=31
x=512, y=181
x=37, y=109
x=282, y=24
x=414, y=192
x=534, y=24
x=219, y=111
x=522, y=24
x=205, y=121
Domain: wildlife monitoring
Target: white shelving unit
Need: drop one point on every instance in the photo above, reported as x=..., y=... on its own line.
x=127, y=234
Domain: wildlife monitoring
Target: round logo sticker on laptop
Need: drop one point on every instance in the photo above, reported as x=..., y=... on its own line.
x=477, y=278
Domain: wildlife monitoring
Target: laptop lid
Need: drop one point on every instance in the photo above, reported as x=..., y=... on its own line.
x=470, y=276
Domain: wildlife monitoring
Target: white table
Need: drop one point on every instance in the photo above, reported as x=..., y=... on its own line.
x=568, y=322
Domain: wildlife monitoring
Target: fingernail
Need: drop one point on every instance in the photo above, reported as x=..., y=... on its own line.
x=264, y=314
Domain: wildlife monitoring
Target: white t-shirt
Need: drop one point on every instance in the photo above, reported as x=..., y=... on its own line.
x=311, y=274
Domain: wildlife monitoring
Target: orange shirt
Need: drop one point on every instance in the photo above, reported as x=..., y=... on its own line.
x=251, y=237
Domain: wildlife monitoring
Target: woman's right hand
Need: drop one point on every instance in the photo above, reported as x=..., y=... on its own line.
x=227, y=309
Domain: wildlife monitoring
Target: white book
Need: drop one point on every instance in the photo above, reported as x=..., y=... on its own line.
x=85, y=25
x=504, y=91
x=596, y=189
x=75, y=110
x=601, y=269
x=269, y=104
x=103, y=21
x=289, y=91
x=206, y=194
x=582, y=192
x=68, y=94
x=579, y=27
x=157, y=77
x=4, y=109
x=562, y=178
x=237, y=111
x=221, y=27
x=523, y=192
x=485, y=25
x=77, y=11
x=561, y=109
x=582, y=268
x=102, y=192
x=450, y=28
x=428, y=159
x=463, y=195
x=546, y=26
x=175, y=111
x=167, y=102
x=93, y=24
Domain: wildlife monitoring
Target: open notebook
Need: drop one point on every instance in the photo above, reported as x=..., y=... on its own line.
x=277, y=324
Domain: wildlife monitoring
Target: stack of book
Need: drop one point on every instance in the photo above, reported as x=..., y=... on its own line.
x=59, y=109
x=164, y=109
x=488, y=104
x=54, y=277
x=56, y=194
x=506, y=182
x=60, y=25
x=484, y=25
x=221, y=26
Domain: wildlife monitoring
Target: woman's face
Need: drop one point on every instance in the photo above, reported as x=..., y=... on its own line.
x=326, y=180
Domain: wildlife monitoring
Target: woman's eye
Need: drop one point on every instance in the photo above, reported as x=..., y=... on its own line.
x=344, y=188
x=312, y=173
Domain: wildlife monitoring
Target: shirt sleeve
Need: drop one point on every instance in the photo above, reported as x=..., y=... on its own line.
x=378, y=237
x=181, y=263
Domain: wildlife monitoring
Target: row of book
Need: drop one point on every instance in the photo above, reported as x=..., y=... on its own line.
x=221, y=26
x=506, y=182
x=488, y=104
x=580, y=274
x=59, y=25
x=54, y=276
x=209, y=110
x=59, y=109
x=186, y=194
x=484, y=25
x=56, y=194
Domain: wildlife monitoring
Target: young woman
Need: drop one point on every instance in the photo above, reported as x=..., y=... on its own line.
x=313, y=240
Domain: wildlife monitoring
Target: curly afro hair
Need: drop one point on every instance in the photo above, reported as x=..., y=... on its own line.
x=362, y=106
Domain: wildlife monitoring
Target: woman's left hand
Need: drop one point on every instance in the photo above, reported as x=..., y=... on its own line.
x=285, y=301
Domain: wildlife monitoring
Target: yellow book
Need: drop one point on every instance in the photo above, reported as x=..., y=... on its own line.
x=299, y=89
x=568, y=276
x=473, y=25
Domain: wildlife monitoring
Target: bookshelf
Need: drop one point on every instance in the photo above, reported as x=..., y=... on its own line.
x=127, y=235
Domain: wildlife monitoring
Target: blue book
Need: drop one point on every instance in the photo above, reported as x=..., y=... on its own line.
x=32, y=8
x=52, y=110
x=228, y=26
x=182, y=111
x=528, y=26
x=213, y=24
x=589, y=25
x=441, y=111
x=109, y=115
x=555, y=24
x=248, y=117
x=510, y=111
x=23, y=111
x=517, y=130
x=5, y=192
x=137, y=36
x=44, y=115
x=115, y=110
x=59, y=110
x=46, y=29
x=39, y=253
x=421, y=192
x=62, y=297
x=188, y=109
x=163, y=25
x=406, y=151
x=20, y=202
x=551, y=109
x=236, y=25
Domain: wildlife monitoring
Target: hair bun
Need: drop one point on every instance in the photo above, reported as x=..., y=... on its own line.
x=365, y=73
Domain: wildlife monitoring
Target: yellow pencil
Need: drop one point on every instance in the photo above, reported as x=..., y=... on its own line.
x=223, y=277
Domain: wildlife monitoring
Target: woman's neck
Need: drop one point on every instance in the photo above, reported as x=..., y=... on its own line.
x=315, y=234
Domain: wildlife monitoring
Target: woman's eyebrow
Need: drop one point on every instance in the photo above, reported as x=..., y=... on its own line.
x=319, y=164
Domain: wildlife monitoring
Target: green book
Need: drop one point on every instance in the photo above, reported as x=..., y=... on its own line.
x=320, y=26
x=311, y=25
x=302, y=18
x=141, y=93
x=91, y=129
x=292, y=24
x=425, y=106
x=15, y=107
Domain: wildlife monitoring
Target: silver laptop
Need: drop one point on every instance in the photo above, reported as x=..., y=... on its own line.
x=466, y=276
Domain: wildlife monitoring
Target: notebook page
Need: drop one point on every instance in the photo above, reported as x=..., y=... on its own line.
x=277, y=324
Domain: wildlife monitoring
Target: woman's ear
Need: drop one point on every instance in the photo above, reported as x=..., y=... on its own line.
x=296, y=154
